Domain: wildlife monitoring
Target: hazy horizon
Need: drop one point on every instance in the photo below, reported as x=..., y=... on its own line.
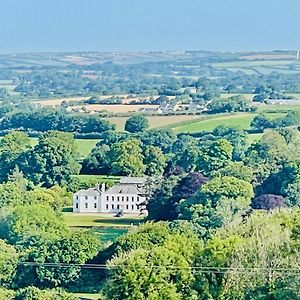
x=142, y=26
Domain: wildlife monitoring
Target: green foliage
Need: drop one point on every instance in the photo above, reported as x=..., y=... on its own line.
x=162, y=205
x=8, y=263
x=145, y=273
x=6, y=294
x=72, y=248
x=127, y=158
x=237, y=170
x=34, y=293
x=52, y=161
x=10, y=194
x=154, y=160
x=214, y=156
x=12, y=146
x=56, y=197
x=218, y=202
x=232, y=104
x=98, y=161
x=136, y=123
x=28, y=221
x=44, y=120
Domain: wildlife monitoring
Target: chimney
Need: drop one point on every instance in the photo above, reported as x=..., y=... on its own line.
x=97, y=187
x=103, y=187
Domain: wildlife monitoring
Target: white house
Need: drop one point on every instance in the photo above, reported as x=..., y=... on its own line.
x=128, y=197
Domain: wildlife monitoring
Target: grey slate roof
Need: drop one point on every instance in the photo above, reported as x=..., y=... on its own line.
x=133, y=180
x=89, y=192
x=124, y=189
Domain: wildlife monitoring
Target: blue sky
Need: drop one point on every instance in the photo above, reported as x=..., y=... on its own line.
x=141, y=25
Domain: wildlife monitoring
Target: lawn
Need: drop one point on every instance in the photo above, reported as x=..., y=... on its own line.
x=88, y=296
x=94, y=220
x=85, y=146
x=97, y=178
x=108, y=234
x=254, y=137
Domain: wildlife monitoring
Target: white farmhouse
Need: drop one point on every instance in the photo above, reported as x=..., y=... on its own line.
x=128, y=197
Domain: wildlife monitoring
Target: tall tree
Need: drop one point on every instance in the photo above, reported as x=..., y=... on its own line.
x=127, y=158
x=154, y=160
x=136, y=123
x=11, y=147
x=52, y=161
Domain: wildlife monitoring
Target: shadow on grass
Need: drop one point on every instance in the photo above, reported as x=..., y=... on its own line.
x=118, y=221
x=67, y=209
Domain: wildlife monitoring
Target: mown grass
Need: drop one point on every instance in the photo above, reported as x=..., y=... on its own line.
x=85, y=146
x=88, y=296
x=254, y=137
x=97, y=178
x=108, y=234
x=80, y=220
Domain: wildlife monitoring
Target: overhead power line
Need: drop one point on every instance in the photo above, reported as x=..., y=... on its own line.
x=199, y=269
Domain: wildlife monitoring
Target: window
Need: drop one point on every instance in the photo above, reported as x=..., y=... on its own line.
x=76, y=205
x=95, y=197
x=123, y=198
x=132, y=206
x=86, y=197
x=118, y=206
x=106, y=206
x=77, y=197
x=127, y=206
x=95, y=205
x=127, y=199
x=112, y=206
x=137, y=198
x=107, y=198
x=132, y=198
x=118, y=199
x=86, y=205
x=112, y=198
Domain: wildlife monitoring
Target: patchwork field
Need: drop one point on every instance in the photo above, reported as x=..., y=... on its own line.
x=242, y=120
x=155, y=121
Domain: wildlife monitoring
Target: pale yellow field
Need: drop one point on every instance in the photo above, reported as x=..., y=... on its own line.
x=154, y=121
x=58, y=101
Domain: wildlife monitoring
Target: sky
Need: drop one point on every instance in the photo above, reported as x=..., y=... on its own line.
x=148, y=25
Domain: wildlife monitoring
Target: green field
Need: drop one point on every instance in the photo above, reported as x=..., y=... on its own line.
x=84, y=146
x=108, y=234
x=242, y=120
x=97, y=178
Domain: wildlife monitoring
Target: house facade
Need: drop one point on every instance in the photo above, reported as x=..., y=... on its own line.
x=128, y=197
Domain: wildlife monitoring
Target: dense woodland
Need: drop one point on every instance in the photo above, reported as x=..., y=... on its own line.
x=223, y=211
x=223, y=216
